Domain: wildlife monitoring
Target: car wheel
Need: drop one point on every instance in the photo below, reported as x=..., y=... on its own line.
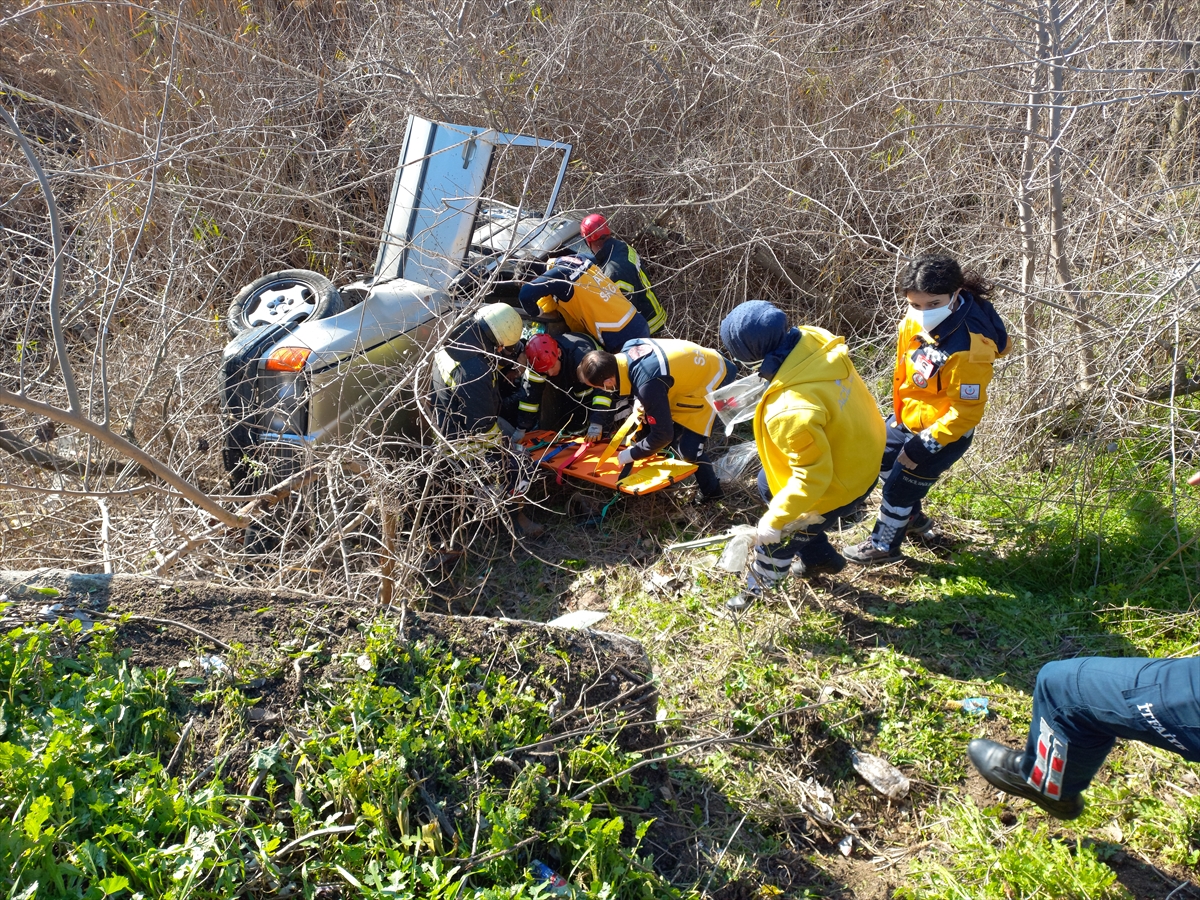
x=289, y=295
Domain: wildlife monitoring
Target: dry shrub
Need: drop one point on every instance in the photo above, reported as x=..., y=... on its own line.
x=796, y=151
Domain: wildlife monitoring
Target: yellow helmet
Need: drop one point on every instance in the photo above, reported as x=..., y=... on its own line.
x=503, y=321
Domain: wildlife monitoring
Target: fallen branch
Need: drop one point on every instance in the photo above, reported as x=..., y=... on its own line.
x=150, y=620
x=280, y=492
x=11, y=442
x=320, y=832
x=158, y=468
x=183, y=736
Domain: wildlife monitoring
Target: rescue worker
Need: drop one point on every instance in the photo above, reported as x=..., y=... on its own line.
x=671, y=379
x=947, y=345
x=554, y=360
x=620, y=262
x=1080, y=707
x=819, y=436
x=467, y=398
x=587, y=300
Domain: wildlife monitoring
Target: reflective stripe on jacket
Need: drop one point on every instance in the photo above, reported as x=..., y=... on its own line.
x=584, y=296
x=620, y=262
x=687, y=370
x=818, y=430
x=573, y=348
x=939, y=387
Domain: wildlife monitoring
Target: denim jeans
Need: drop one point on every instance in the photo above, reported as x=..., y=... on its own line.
x=1081, y=706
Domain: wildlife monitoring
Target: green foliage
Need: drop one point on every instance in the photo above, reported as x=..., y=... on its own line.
x=990, y=862
x=394, y=756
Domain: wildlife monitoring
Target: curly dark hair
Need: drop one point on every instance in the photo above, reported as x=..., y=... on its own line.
x=939, y=274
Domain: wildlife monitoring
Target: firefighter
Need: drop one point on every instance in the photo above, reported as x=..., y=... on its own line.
x=587, y=300
x=947, y=345
x=670, y=379
x=819, y=436
x=554, y=360
x=467, y=398
x=620, y=262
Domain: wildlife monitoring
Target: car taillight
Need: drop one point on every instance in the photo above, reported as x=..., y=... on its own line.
x=287, y=359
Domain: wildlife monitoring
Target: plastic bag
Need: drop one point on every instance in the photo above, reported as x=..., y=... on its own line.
x=733, y=464
x=737, y=401
x=880, y=774
x=737, y=552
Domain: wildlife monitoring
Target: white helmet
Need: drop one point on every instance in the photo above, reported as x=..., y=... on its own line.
x=503, y=321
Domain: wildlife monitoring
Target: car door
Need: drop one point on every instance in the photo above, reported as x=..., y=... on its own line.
x=435, y=197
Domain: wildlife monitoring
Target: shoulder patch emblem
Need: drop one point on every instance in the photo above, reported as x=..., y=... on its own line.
x=968, y=391
x=638, y=351
x=919, y=380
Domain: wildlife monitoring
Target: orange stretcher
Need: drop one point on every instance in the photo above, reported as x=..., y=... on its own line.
x=579, y=459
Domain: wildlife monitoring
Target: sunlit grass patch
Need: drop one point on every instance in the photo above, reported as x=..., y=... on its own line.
x=979, y=858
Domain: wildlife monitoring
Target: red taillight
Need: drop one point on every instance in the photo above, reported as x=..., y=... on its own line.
x=288, y=359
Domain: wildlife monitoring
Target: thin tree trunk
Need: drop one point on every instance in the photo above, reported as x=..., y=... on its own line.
x=1179, y=115
x=1029, y=250
x=1058, y=227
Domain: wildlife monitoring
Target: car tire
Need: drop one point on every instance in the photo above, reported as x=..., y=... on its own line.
x=289, y=295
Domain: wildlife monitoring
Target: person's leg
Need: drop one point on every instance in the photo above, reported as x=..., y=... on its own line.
x=816, y=555
x=770, y=562
x=903, y=490
x=805, y=551
x=1080, y=708
x=691, y=446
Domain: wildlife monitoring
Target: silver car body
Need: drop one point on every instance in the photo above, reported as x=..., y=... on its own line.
x=438, y=225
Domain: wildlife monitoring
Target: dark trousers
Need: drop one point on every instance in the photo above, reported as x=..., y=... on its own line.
x=1081, y=706
x=773, y=561
x=692, y=446
x=904, y=489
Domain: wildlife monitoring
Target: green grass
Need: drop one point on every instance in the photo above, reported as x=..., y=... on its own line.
x=1092, y=557
x=87, y=808
x=1061, y=564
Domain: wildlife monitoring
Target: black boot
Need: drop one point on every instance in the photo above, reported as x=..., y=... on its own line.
x=818, y=559
x=1001, y=766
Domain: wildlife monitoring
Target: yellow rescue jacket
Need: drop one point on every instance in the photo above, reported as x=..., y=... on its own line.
x=819, y=433
x=939, y=387
x=596, y=305
x=691, y=372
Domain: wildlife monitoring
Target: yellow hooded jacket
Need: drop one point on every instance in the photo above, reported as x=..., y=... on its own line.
x=819, y=433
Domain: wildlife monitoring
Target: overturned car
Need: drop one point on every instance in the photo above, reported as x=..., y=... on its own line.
x=310, y=363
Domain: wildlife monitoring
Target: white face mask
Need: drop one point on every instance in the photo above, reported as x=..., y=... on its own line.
x=929, y=319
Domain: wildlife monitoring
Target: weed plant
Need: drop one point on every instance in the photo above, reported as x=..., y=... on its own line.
x=407, y=777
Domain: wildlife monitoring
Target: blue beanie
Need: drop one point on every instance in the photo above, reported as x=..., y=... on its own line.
x=759, y=330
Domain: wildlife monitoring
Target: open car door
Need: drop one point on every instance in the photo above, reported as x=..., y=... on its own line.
x=436, y=195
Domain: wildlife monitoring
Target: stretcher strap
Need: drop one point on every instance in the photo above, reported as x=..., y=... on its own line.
x=617, y=438
x=558, y=472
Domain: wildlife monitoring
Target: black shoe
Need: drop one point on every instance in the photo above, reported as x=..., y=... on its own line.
x=703, y=499
x=828, y=563
x=1001, y=767
x=867, y=554
x=923, y=528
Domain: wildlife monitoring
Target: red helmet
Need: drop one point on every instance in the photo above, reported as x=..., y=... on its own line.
x=543, y=352
x=594, y=228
